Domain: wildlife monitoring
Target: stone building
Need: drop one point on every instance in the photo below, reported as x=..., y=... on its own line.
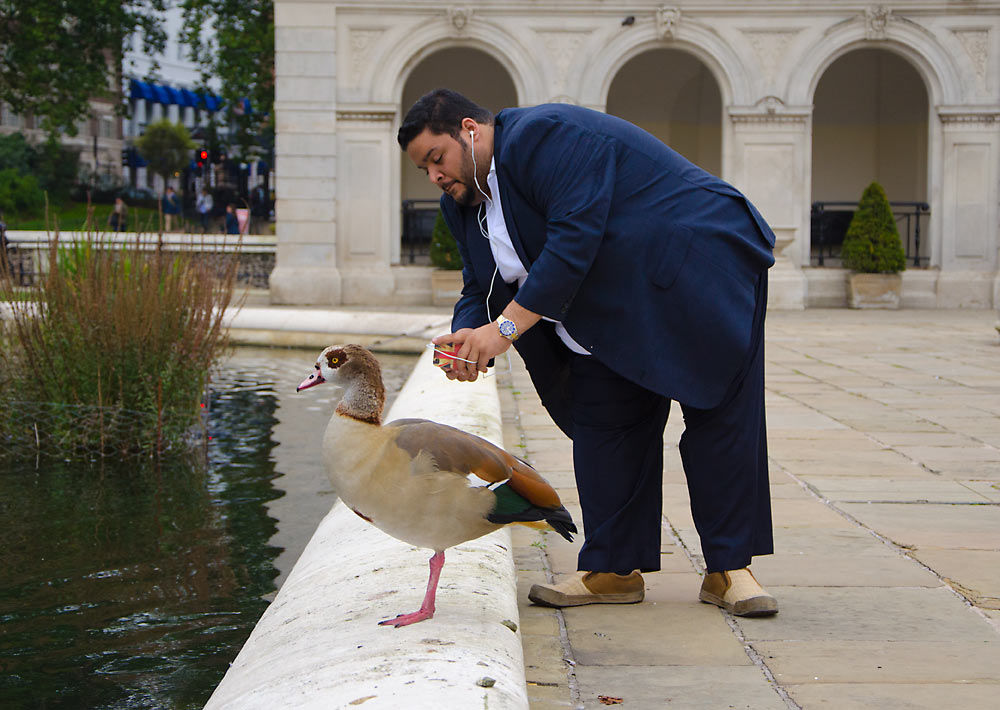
x=796, y=102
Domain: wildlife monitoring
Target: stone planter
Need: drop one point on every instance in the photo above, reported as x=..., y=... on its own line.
x=446, y=286
x=874, y=290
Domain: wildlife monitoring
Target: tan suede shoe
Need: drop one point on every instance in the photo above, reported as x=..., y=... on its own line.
x=590, y=588
x=738, y=592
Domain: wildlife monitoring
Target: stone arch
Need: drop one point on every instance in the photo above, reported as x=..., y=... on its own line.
x=389, y=74
x=935, y=65
x=671, y=93
x=725, y=65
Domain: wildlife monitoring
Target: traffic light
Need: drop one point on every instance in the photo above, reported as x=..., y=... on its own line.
x=202, y=157
x=126, y=155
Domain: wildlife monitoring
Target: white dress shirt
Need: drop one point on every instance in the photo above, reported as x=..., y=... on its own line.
x=508, y=262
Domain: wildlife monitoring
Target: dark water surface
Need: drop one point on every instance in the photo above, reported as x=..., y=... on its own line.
x=134, y=585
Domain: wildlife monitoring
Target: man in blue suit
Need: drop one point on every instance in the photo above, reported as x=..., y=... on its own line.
x=626, y=277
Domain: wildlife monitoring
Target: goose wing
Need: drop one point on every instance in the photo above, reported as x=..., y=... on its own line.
x=463, y=453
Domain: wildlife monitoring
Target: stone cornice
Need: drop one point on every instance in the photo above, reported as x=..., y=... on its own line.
x=367, y=115
x=986, y=115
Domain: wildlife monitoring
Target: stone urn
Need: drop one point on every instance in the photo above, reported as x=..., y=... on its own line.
x=874, y=290
x=446, y=286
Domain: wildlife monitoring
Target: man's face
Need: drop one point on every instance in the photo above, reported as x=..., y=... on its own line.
x=448, y=164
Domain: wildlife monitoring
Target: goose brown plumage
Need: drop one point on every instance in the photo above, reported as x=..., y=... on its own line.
x=409, y=477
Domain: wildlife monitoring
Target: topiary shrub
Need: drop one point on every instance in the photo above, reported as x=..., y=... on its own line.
x=872, y=244
x=444, y=248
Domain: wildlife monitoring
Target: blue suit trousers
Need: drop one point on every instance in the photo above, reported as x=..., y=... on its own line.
x=618, y=459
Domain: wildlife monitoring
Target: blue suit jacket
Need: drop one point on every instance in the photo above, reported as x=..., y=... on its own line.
x=650, y=262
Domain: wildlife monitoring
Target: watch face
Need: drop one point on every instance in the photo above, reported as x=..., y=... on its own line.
x=507, y=328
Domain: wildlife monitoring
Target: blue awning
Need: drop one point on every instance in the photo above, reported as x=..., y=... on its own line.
x=140, y=90
x=176, y=97
x=160, y=94
x=190, y=99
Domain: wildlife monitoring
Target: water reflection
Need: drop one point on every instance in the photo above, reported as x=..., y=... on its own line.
x=133, y=585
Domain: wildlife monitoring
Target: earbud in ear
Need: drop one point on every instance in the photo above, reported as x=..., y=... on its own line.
x=472, y=135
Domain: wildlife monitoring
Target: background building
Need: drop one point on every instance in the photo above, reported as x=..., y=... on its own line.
x=795, y=103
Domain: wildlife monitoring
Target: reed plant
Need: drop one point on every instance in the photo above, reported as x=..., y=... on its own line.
x=113, y=353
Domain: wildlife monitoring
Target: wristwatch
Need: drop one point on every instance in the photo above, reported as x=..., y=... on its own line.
x=507, y=328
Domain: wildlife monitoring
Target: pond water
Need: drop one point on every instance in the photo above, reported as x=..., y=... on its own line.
x=134, y=585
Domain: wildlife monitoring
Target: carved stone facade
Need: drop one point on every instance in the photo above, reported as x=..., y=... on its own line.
x=343, y=67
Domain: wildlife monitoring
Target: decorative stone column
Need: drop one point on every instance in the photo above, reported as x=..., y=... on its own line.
x=306, y=270
x=368, y=220
x=768, y=162
x=969, y=199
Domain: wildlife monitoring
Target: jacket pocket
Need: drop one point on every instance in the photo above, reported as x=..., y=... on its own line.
x=668, y=255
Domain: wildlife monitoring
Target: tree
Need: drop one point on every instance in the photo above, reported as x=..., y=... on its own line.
x=56, y=55
x=241, y=55
x=166, y=146
x=872, y=244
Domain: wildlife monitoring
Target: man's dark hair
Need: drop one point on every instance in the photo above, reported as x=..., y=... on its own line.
x=441, y=110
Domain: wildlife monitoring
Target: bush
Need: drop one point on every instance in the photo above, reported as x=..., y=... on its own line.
x=872, y=244
x=114, y=354
x=20, y=195
x=444, y=248
x=55, y=166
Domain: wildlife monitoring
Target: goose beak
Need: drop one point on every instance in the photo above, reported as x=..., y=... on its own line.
x=311, y=381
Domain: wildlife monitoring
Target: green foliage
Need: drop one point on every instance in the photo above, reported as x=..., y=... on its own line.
x=166, y=146
x=54, y=166
x=872, y=244
x=56, y=55
x=116, y=348
x=444, y=248
x=20, y=194
x=76, y=216
x=241, y=55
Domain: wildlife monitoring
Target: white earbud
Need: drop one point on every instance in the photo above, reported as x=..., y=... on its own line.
x=472, y=135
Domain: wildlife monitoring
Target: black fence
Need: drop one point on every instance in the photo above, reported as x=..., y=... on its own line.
x=418, y=225
x=829, y=222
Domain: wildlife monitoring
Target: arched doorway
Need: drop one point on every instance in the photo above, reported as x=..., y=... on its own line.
x=674, y=96
x=870, y=113
x=470, y=72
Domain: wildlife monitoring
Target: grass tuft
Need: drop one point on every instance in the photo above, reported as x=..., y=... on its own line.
x=112, y=353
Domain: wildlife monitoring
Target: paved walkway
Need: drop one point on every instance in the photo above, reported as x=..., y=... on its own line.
x=884, y=435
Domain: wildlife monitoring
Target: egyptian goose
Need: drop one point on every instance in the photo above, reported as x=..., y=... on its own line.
x=410, y=479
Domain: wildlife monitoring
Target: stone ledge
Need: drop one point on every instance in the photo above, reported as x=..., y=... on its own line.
x=319, y=646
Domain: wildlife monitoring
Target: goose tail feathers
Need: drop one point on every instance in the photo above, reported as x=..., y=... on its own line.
x=511, y=507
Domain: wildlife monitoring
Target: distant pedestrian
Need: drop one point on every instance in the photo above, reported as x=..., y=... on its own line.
x=259, y=205
x=3, y=244
x=171, y=206
x=118, y=219
x=204, y=206
x=232, y=223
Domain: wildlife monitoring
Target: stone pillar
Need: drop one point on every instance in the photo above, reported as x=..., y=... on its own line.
x=969, y=198
x=768, y=162
x=368, y=205
x=306, y=271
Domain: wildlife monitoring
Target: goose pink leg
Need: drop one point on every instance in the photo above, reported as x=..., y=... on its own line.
x=426, y=610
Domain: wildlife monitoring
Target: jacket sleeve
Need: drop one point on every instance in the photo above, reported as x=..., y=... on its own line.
x=568, y=172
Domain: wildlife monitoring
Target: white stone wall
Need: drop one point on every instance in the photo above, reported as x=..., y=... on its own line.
x=342, y=68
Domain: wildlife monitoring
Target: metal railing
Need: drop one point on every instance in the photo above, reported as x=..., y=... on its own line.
x=27, y=252
x=829, y=222
x=418, y=225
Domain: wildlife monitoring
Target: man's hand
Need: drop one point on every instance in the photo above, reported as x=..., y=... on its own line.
x=479, y=345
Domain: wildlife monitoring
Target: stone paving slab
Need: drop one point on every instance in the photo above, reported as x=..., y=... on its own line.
x=922, y=696
x=856, y=661
x=690, y=688
x=932, y=525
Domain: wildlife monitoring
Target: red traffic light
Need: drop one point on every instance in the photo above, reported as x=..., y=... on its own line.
x=203, y=155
